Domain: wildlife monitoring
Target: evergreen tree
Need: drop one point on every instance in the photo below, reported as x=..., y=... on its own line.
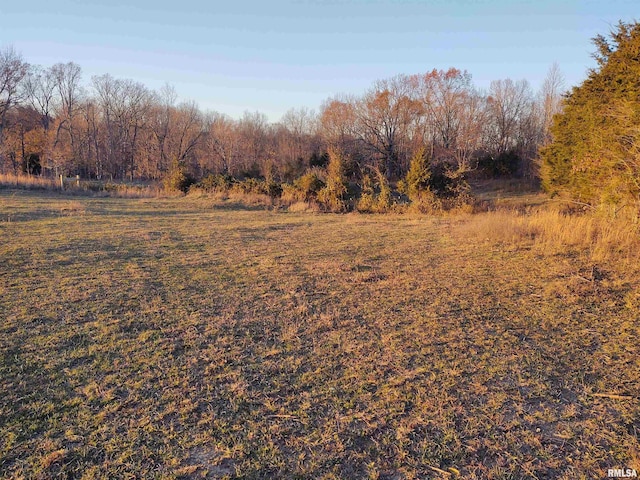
x=595, y=153
x=334, y=193
x=418, y=177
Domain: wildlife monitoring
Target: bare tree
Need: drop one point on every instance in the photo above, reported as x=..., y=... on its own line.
x=296, y=141
x=443, y=95
x=222, y=142
x=472, y=115
x=452, y=115
x=92, y=134
x=39, y=88
x=67, y=78
x=12, y=70
x=253, y=129
x=125, y=106
x=338, y=122
x=160, y=117
x=383, y=120
x=300, y=121
x=551, y=98
x=508, y=103
x=187, y=130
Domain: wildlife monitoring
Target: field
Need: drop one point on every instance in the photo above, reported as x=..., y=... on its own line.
x=193, y=338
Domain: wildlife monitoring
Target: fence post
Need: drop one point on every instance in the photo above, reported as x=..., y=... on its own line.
x=61, y=182
x=77, y=180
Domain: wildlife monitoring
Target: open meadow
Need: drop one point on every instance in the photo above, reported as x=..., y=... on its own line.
x=197, y=338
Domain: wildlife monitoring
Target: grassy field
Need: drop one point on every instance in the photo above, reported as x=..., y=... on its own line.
x=187, y=338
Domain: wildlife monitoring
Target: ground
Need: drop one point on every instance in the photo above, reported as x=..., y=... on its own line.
x=186, y=338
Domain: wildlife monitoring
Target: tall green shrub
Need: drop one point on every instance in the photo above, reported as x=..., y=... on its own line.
x=366, y=201
x=383, y=201
x=333, y=195
x=594, y=156
x=178, y=178
x=417, y=180
x=308, y=185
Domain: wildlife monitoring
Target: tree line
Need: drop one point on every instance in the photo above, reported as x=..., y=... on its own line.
x=52, y=123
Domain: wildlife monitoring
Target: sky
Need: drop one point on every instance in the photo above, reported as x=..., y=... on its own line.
x=235, y=56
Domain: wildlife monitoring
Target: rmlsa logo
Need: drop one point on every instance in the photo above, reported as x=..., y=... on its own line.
x=622, y=473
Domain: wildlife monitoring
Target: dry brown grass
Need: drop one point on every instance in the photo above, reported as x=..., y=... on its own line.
x=233, y=198
x=129, y=191
x=28, y=182
x=190, y=338
x=302, y=207
x=552, y=232
x=84, y=188
x=73, y=207
x=238, y=199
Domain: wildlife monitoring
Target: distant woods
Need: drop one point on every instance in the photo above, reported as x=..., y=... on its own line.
x=53, y=122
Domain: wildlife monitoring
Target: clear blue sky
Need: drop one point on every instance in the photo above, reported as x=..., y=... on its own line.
x=268, y=56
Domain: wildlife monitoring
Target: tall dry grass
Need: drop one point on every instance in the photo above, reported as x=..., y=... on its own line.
x=85, y=187
x=29, y=182
x=233, y=197
x=551, y=231
x=132, y=191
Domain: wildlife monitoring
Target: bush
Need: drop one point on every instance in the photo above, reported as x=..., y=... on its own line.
x=383, y=201
x=319, y=160
x=333, y=195
x=366, y=202
x=448, y=183
x=506, y=164
x=375, y=197
x=421, y=184
x=426, y=202
x=257, y=186
x=178, y=179
x=31, y=165
x=216, y=183
x=418, y=178
x=306, y=187
x=290, y=194
x=250, y=185
x=274, y=189
x=433, y=187
x=304, y=207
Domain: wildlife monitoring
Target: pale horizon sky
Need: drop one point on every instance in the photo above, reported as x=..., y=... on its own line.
x=275, y=55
